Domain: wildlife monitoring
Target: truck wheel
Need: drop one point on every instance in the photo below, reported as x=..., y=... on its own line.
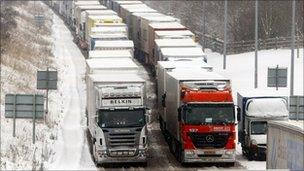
x=250, y=155
x=180, y=153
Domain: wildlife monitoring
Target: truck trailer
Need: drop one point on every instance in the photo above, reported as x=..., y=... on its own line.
x=285, y=145
x=255, y=112
x=199, y=116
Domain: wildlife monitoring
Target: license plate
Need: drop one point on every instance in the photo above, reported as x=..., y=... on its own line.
x=209, y=152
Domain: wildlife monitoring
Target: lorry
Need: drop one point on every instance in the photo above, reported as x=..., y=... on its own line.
x=174, y=34
x=114, y=45
x=285, y=144
x=170, y=43
x=255, y=112
x=198, y=121
x=128, y=16
x=173, y=53
x=164, y=66
x=110, y=54
x=117, y=118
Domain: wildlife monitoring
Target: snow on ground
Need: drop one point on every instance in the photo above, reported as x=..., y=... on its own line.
x=71, y=148
x=240, y=69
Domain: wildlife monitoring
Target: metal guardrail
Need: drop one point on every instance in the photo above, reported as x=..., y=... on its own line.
x=216, y=44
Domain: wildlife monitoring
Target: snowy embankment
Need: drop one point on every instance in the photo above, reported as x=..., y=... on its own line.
x=240, y=69
x=27, y=50
x=61, y=144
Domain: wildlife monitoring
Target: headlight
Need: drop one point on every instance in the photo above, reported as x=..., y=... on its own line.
x=189, y=153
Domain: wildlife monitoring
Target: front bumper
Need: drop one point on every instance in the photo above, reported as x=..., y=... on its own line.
x=121, y=156
x=209, y=156
x=260, y=152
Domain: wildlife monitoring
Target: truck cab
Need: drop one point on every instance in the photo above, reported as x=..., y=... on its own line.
x=118, y=118
x=256, y=112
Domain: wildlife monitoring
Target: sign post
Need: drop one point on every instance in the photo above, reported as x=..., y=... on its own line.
x=47, y=80
x=24, y=106
x=277, y=77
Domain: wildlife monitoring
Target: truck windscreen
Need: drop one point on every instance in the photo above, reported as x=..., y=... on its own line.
x=258, y=127
x=121, y=118
x=198, y=114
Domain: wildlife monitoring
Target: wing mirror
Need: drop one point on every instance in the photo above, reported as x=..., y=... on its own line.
x=148, y=115
x=179, y=114
x=238, y=113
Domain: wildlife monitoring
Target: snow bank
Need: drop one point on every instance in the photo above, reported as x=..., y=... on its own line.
x=267, y=107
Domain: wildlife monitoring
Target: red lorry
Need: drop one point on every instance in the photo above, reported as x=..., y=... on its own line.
x=198, y=116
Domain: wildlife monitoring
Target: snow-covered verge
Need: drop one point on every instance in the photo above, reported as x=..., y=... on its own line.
x=240, y=69
x=29, y=50
x=60, y=144
x=71, y=148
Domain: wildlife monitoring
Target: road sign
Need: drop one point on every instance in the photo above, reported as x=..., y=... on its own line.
x=296, y=107
x=24, y=106
x=277, y=77
x=21, y=105
x=47, y=80
x=39, y=19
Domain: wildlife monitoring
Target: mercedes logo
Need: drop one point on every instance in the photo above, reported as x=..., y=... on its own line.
x=210, y=138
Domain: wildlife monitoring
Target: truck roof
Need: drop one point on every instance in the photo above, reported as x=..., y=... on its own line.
x=133, y=6
x=141, y=14
x=112, y=64
x=106, y=17
x=128, y=2
x=159, y=18
x=196, y=75
x=82, y=3
x=262, y=93
x=267, y=107
x=175, y=42
x=109, y=29
x=183, y=52
x=87, y=7
x=142, y=9
x=290, y=124
x=110, y=54
x=114, y=44
x=115, y=77
x=174, y=33
x=167, y=25
x=109, y=35
x=100, y=12
x=110, y=25
x=183, y=64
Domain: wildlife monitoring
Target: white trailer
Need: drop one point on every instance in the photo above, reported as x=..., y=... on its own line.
x=174, y=34
x=172, y=43
x=114, y=45
x=110, y=54
x=135, y=22
x=118, y=65
x=182, y=53
x=285, y=145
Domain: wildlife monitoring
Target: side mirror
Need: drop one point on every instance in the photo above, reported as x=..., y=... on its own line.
x=179, y=114
x=164, y=100
x=148, y=115
x=238, y=113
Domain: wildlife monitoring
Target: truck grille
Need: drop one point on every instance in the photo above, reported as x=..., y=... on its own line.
x=121, y=139
x=205, y=140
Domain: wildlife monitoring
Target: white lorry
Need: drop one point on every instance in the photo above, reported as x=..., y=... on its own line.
x=255, y=112
x=116, y=111
x=285, y=145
